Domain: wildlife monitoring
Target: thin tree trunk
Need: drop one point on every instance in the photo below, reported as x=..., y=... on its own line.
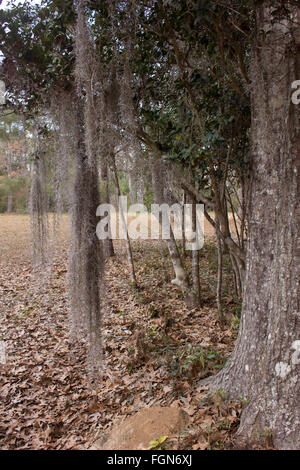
x=183, y=226
x=108, y=246
x=237, y=279
x=195, y=261
x=9, y=203
x=128, y=244
x=86, y=266
x=181, y=279
x=38, y=208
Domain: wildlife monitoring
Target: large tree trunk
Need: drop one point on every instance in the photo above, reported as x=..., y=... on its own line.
x=265, y=365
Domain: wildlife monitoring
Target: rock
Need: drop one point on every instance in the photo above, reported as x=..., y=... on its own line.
x=136, y=432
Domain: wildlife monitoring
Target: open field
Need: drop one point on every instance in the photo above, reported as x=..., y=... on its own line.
x=46, y=400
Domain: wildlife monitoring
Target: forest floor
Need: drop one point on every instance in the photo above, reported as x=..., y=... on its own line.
x=46, y=401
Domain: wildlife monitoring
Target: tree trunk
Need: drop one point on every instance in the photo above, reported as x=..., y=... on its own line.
x=195, y=260
x=128, y=244
x=220, y=276
x=132, y=186
x=265, y=365
x=181, y=278
x=9, y=203
x=140, y=191
x=108, y=246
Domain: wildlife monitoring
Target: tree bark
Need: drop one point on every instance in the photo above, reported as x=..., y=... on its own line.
x=86, y=266
x=181, y=278
x=128, y=244
x=220, y=277
x=265, y=365
x=108, y=246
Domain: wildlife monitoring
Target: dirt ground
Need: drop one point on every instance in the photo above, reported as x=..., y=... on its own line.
x=46, y=399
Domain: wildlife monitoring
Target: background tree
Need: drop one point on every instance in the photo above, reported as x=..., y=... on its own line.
x=176, y=80
x=264, y=367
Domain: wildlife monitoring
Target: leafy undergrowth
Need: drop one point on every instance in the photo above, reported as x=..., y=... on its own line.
x=156, y=351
